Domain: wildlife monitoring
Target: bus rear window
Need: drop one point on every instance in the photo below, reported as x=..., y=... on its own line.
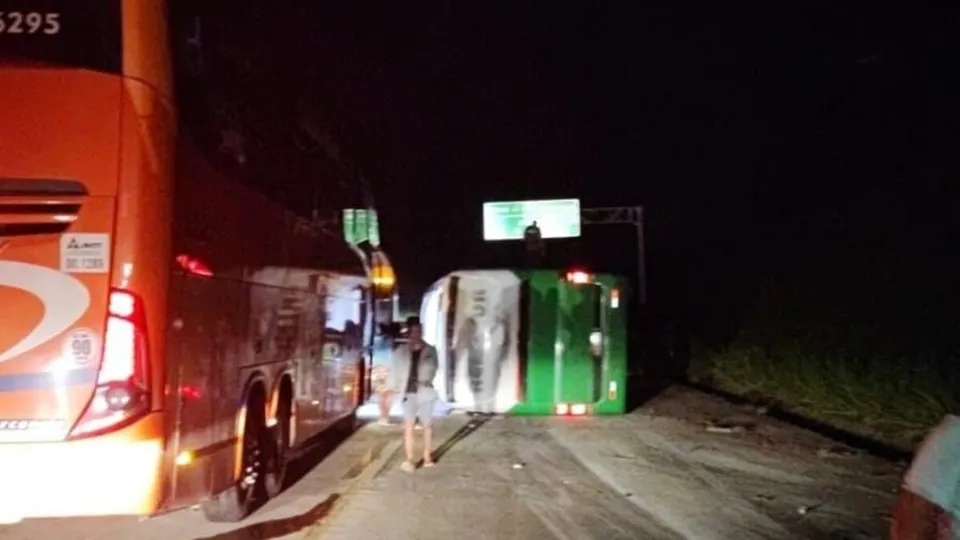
x=62, y=33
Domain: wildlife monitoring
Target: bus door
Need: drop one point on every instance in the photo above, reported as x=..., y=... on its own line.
x=365, y=335
x=579, y=356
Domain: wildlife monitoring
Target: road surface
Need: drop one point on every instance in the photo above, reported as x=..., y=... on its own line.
x=683, y=466
x=322, y=475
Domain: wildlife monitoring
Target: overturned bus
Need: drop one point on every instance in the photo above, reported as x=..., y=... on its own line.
x=529, y=342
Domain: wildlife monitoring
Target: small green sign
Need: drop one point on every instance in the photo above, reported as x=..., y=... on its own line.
x=361, y=224
x=556, y=218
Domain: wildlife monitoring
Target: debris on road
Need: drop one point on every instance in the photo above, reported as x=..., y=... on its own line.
x=837, y=450
x=724, y=429
x=732, y=424
x=806, y=509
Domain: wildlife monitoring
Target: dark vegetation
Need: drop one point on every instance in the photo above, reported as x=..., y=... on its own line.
x=857, y=327
x=829, y=285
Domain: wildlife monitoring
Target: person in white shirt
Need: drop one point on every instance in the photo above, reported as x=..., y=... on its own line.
x=412, y=370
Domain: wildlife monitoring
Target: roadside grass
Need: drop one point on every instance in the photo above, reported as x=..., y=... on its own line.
x=889, y=400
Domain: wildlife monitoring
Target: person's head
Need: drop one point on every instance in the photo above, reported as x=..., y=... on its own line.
x=414, y=330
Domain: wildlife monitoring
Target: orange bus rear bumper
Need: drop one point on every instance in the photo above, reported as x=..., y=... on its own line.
x=116, y=474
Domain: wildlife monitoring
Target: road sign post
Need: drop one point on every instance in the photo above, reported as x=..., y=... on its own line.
x=623, y=215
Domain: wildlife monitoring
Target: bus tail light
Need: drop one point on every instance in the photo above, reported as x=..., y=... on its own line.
x=578, y=276
x=121, y=395
x=194, y=266
x=567, y=409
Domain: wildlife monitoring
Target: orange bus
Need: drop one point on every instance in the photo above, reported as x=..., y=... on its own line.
x=167, y=337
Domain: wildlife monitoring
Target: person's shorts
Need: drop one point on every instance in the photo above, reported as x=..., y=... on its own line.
x=414, y=408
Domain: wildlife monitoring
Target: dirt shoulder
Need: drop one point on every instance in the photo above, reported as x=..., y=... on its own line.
x=711, y=470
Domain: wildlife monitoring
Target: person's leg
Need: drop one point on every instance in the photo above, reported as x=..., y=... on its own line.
x=386, y=400
x=425, y=413
x=409, y=417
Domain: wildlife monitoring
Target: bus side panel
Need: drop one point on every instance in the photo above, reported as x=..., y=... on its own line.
x=309, y=323
x=578, y=371
x=266, y=297
x=310, y=415
x=486, y=352
x=541, y=329
x=342, y=352
x=434, y=317
x=615, y=348
x=208, y=348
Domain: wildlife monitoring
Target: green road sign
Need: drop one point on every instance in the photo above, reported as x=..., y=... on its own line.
x=556, y=218
x=361, y=224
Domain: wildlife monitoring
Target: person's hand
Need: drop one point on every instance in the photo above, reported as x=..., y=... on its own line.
x=915, y=518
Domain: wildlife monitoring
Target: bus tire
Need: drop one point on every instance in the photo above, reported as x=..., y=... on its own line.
x=237, y=502
x=276, y=469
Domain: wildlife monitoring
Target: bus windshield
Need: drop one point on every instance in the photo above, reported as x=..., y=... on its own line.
x=62, y=33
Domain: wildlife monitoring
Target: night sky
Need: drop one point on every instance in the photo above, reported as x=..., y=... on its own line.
x=755, y=139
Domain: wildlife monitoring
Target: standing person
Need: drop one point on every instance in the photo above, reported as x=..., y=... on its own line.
x=533, y=239
x=413, y=369
x=380, y=376
x=929, y=504
x=380, y=373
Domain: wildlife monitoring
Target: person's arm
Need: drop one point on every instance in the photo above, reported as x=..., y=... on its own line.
x=430, y=365
x=915, y=518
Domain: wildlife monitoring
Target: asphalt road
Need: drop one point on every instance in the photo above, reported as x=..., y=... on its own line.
x=685, y=465
x=503, y=478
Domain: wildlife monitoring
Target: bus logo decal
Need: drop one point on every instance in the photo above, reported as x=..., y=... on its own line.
x=64, y=299
x=85, y=253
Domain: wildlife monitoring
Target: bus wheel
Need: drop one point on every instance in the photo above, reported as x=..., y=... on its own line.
x=276, y=463
x=236, y=502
